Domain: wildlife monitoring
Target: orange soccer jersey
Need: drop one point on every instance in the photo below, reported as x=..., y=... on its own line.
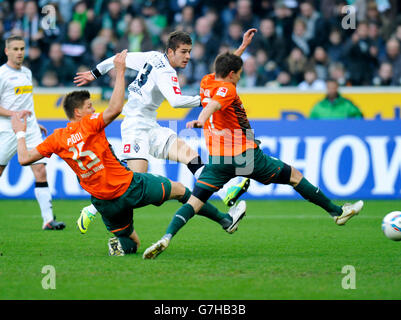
x=227, y=131
x=84, y=146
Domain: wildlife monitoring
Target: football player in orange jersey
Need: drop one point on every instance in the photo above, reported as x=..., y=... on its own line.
x=115, y=189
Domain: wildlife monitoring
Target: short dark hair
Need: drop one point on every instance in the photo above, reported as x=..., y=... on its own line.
x=74, y=100
x=176, y=38
x=13, y=38
x=227, y=62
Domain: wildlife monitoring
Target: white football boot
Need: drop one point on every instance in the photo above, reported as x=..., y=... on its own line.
x=349, y=210
x=236, y=212
x=155, y=249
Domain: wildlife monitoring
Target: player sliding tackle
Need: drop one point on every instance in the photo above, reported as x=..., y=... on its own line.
x=142, y=137
x=115, y=190
x=234, y=152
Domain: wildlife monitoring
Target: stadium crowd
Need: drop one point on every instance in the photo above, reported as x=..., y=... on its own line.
x=299, y=43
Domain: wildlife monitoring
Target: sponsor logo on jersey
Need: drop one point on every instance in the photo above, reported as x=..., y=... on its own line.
x=222, y=92
x=207, y=93
x=23, y=89
x=95, y=115
x=127, y=148
x=175, y=80
x=136, y=147
x=177, y=90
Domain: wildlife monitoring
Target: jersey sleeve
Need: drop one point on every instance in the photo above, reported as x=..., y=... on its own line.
x=167, y=82
x=48, y=146
x=225, y=95
x=134, y=60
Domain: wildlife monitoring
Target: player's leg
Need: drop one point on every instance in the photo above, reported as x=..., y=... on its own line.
x=271, y=170
x=211, y=180
x=44, y=198
x=183, y=194
x=313, y=194
x=2, y=169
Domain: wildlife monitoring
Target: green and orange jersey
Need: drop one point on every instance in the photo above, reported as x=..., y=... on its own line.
x=227, y=132
x=84, y=146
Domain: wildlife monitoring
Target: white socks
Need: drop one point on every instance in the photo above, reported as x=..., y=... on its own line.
x=44, y=198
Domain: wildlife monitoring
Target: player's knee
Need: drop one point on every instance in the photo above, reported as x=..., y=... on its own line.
x=39, y=171
x=177, y=190
x=296, y=176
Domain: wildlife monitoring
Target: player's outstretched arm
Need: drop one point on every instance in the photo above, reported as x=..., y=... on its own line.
x=117, y=98
x=205, y=114
x=246, y=41
x=25, y=156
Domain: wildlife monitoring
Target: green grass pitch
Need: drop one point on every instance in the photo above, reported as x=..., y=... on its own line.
x=282, y=250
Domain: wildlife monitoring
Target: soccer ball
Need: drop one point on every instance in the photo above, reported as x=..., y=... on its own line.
x=391, y=225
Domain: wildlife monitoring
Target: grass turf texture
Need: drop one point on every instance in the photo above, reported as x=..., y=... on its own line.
x=282, y=250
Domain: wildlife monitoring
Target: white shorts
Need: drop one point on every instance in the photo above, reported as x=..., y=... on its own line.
x=8, y=143
x=141, y=143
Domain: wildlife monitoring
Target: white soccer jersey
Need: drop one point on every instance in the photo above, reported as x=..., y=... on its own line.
x=156, y=81
x=16, y=93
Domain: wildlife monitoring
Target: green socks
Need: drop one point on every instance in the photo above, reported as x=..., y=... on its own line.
x=180, y=218
x=316, y=196
x=186, y=212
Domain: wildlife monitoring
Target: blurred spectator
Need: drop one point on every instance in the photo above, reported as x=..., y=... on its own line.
x=337, y=73
x=61, y=65
x=245, y=15
x=15, y=19
x=299, y=39
x=214, y=19
x=393, y=56
x=110, y=37
x=73, y=45
x=320, y=61
x=311, y=82
x=204, y=35
x=266, y=39
x=296, y=65
x=137, y=39
x=90, y=23
x=114, y=18
x=99, y=51
x=50, y=79
x=31, y=24
x=334, y=105
x=283, y=80
x=376, y=40
x=335, y=48
x=233, y=38
x=384, y=76
x=316, y=29
x=35, y=61
x=266, y=67
x=186, y=21
x=250, y=76
x=361, y=56
x=155, y=21
x=283, y=20
x=175, y=7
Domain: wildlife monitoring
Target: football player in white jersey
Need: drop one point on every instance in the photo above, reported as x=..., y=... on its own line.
x=142, y=136
x=16, y=97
